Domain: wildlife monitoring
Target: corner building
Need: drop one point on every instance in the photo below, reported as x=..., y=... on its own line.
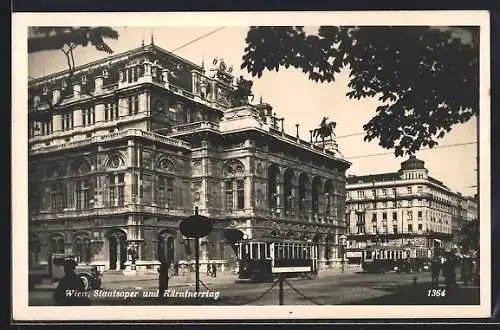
x=404, y=207
x=142, y=138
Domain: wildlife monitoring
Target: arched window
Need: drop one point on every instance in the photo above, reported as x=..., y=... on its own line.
x=303, y=183
x=316, y=185
x=329, y=196
x=272, y=183
x=288, y=178
x=57, y=244
x=234, y=185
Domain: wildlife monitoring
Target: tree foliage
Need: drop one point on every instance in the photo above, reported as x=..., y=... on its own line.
x=469, y=236
x=66, y=39
x=425, y=78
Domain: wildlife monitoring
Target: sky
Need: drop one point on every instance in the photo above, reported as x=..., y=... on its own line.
x=294, y=97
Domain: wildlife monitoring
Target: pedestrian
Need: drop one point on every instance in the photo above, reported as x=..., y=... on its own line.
x=163, y=278
x=435, y=270
x=214, y=270
x=209, y=269
x=71, y=290
x=176, y=268
x=467, y=270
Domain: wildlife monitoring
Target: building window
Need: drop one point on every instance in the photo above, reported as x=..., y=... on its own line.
x=82, y=249
x=56, y=197
x=67, y=121
x=394, y=191
x=374, y=193
x=361, y=194
x=374, y=217
x=410, y=228
x=384, y=216
x=121, y=189
x=228, y=187
x=82, y=195
x=394, y=216
x=410, y=215
x=384, y=204
x=133, y=105
x=88, y=116
x=420, y=189
x=165, y=191
x=57, y=244
x=111, y=190
x=240, y=193
x=420, y=226
x=420, y=214
x=361, y=224
x=409, y=190
x=384, y=192
x=395, y=229
x=111, y=111
x=375, y=230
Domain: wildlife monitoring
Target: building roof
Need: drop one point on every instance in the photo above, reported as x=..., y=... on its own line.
x=413, y=163
x=381, y=177
x=116, y=57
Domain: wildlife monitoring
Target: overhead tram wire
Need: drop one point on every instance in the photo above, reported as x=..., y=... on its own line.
x=426, y=148
x=197, y=39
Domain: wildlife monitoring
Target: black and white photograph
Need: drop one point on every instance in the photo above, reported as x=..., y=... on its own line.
x=245, y=166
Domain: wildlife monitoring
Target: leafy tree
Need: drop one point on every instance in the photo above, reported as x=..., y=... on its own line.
x=469, y=236
x=66, y=39
x=426, y=78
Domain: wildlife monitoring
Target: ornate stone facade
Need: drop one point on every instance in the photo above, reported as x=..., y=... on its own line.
x=120, y=164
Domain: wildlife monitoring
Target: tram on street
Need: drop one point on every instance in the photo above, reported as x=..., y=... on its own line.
x=381, y=259
x=263, y=259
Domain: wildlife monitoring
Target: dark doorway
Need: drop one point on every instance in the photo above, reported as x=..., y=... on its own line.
x=117, y=251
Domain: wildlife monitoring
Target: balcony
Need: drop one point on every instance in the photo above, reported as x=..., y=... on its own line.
x=196, y=126
x=109, y=211
x=110, y=137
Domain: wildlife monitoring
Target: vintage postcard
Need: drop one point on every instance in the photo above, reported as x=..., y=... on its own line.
x=225, y=166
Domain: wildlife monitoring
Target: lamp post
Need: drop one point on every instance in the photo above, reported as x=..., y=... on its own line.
x=196, y=226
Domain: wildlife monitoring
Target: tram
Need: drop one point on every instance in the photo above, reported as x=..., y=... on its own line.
x=263, y=259
x=381, y=259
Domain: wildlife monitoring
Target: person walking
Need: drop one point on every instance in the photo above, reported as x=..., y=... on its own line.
x=71, y=290
x=163, y=278
x=214, y=270
x=435, y=270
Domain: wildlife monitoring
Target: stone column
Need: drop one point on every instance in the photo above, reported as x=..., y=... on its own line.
x=123, y=107
x=56, y=123
x=118, y=253
x=56, y=95
x=77, y=118
x=99, y=112
x=143, y=103
x=77, y=88
x=98, y=84
x=165, y=73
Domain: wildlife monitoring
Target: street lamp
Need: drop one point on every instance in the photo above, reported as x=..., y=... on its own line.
x=343, y=244
x=196, y=226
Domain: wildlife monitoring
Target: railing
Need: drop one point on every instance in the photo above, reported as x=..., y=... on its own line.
x=112, y=136
x=195, y=125
x=110, y=210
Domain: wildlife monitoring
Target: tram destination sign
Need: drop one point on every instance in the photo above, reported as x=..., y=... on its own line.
x=296, y=269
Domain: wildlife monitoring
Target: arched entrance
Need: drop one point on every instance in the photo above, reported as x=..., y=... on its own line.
x=166, y=247
x=117, y=240
x=273, y=173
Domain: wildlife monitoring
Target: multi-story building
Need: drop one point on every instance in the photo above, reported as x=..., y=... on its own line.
x=142, y=138
x=404, y=207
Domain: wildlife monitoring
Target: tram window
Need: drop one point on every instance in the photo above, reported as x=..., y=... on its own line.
x=245, y=251
x=262, y=250
x=255, y=251
x=268, y=250
x=280, y=251
x=287, y=251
